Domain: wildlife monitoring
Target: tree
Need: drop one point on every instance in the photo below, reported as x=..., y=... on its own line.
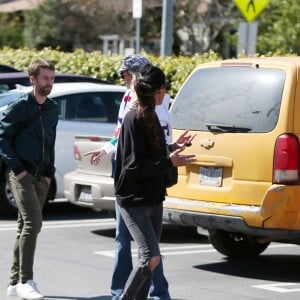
x=203, y=23
x=279, y=28
x=199, y=25
x=49, y=25
x=68, y=24
x=11, y=30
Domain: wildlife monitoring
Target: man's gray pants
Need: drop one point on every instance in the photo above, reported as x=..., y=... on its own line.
x=30, y=194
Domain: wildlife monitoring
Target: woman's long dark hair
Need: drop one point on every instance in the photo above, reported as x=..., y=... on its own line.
x=148, y=81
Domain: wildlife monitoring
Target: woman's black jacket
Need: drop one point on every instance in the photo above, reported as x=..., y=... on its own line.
x=140, y=169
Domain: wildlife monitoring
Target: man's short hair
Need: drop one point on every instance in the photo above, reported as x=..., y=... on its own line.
x=36, y=65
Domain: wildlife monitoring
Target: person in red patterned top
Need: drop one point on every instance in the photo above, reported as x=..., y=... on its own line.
x=140, y=183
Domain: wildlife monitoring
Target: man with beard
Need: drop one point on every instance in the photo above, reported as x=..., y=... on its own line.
x=27, y=138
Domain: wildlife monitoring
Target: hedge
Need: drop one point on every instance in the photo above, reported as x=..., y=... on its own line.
x=97, y=65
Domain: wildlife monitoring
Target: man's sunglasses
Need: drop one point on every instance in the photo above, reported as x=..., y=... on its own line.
x=123, y=74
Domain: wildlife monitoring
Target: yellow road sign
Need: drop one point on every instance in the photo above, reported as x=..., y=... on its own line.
x=251, y=8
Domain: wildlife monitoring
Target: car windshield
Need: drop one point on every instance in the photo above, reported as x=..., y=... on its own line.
x=6, y=98
x=229, y=99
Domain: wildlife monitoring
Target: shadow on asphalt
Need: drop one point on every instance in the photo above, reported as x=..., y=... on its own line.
x=77, y=298
x=82, y=298
x=63, y=210
x=171, y=234
x=67, y=211
x=269, y=267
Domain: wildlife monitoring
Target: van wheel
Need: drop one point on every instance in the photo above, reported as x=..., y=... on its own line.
x=7, y=201
x=236, y=245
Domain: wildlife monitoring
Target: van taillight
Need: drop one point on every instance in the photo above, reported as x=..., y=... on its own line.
x=286, y=159
x=76, y=153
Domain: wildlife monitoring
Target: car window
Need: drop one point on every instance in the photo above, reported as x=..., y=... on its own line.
x=10, y=80
x=3, y=87
x=8, y=97
x=93, y=107
x=241, y=97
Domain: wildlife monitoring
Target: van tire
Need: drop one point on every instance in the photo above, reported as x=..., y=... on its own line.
x=236, y=245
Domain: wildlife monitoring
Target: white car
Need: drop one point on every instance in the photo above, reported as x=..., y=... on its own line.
x=91, y=184
x=84, y=108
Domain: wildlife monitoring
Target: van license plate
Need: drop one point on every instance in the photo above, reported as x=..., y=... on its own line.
x=211, y=176
x=85, y=195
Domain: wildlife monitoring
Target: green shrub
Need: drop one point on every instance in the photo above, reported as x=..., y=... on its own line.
x=97, y=65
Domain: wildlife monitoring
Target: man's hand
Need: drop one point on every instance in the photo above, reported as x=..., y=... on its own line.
x=96, y=155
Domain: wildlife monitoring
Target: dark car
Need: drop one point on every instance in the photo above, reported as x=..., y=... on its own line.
x=10, y=80
x=7, y=69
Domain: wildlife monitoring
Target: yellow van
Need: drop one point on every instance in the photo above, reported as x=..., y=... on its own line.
x=244, y=187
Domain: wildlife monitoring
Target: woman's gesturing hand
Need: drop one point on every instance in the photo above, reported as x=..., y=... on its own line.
x=184, y=140
x=180, y=159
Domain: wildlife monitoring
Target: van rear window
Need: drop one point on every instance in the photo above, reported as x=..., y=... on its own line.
x=229, y=97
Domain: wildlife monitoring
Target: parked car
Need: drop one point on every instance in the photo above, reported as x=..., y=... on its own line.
x=7, y=69
x=244, y=187
x=89, y=184
x=11, y=80
x=84, y=108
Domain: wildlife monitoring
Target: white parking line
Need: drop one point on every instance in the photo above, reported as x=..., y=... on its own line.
x=282, y=287
x=278, y=245
x=51, y=298
x=166, y=251
x=98, y=223
x=182, y=250
x=65, y=224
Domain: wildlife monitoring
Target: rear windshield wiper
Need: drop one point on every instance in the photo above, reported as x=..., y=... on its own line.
x=226, y=128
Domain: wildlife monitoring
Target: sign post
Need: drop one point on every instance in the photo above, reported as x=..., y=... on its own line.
x=247, y=38
x=167, y=28
x=137, y=14
x=248, y=31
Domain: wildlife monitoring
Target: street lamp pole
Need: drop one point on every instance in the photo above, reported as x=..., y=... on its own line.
x=138, y=34
x=137, y=14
